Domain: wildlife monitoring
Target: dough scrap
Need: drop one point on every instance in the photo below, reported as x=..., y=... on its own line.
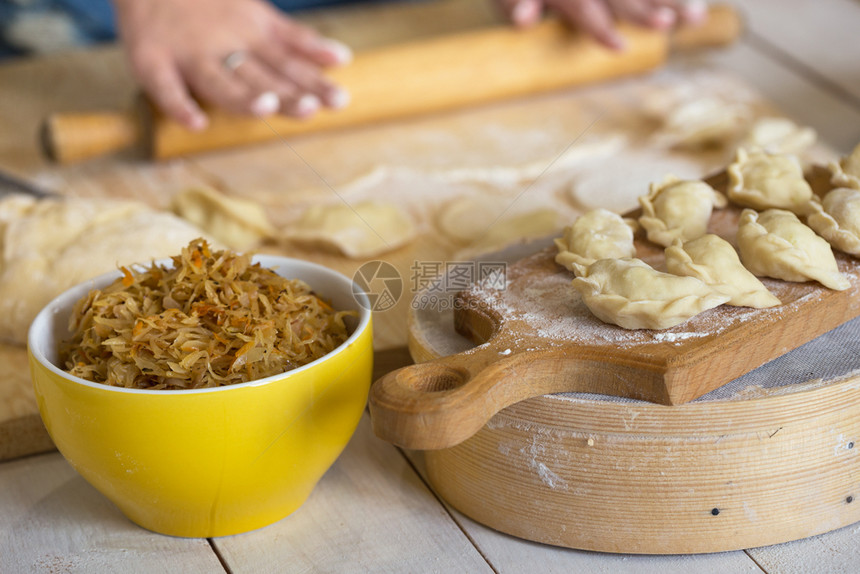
x=678, y=209
x=598, y=234
x=517, y=228
x=465, y=219
x=714, y=261
x=358, y=231
x=779, y=135
x=235, y=222
x=837, y=219
x=50, y=245
x=631, y=294
x=846, y=171
x=703, y=122
x=763, y=180
x=776, y=244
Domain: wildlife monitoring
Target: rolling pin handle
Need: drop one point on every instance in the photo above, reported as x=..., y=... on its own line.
x=722, y=27
x=69, y=138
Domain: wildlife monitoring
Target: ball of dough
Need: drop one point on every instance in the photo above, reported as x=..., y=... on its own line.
x=50, y=245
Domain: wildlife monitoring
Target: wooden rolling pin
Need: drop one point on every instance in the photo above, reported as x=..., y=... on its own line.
x=399, y=81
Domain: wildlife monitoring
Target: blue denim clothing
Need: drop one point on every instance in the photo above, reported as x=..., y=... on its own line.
x=84, y=22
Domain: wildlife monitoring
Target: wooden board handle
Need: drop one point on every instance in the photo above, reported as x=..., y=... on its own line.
x=405, y=80
x=441, y=403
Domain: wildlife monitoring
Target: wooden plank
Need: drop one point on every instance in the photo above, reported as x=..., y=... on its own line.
x=836, y=552
x=52, y=520
x=837, y=122
x=21, y=428
x=370, y=513
x=508, y=554
x=818, y=39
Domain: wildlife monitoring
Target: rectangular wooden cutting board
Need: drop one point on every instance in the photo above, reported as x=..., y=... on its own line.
x=536, y=336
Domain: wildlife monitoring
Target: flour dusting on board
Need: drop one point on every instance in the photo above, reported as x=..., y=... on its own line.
x=538, y=295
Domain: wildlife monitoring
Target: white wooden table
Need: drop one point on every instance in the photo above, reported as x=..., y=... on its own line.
x=373, y=511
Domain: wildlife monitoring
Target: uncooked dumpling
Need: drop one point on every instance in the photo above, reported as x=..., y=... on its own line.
x=678, y=209
x=237, y=223
x=516, y=228
x=631, y=294
x=776, y=244
x=598, y=234
x=358, y=231
x=49, y=245
x=846, y=172
x=703, y=122
x=779, y=135
x=763, y=180
x=713, y=260
x=466, y=219
x=837, y=219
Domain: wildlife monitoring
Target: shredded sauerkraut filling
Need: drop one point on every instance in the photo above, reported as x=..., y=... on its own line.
x=214, y=318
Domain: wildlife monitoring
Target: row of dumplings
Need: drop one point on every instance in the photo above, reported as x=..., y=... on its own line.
x=704, y=270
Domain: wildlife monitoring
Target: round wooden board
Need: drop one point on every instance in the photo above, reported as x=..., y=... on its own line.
x=767, y=459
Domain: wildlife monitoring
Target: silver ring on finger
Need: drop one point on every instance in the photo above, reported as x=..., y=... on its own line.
x=234, y=59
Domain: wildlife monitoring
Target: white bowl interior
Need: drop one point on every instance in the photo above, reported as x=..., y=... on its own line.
x=51, y=325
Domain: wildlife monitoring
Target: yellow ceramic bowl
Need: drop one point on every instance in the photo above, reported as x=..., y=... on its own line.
x=208, y=462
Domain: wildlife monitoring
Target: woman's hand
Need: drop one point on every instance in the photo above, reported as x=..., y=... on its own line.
x=241, y=55
x=597, y=17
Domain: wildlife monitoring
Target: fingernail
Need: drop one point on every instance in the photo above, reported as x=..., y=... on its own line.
x=616, y=41
x=341, y=52
x=695, y=10
x=664, y=17
x=266, y=104
x=307, y=105
x=198, y=122
x=524, y=12
x=339, y=98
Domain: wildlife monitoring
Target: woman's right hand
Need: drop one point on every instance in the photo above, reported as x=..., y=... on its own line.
x=244, y=56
